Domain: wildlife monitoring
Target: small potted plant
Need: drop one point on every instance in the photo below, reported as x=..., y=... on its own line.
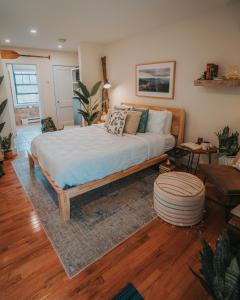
x=228, y=146
x=6, y=146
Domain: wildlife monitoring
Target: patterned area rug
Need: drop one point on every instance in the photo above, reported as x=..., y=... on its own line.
x=100, y=219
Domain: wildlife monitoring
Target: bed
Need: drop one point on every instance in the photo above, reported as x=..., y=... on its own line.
x=78, y=160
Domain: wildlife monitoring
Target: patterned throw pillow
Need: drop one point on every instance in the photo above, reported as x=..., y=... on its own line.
x=116, y=122
x=143, y=120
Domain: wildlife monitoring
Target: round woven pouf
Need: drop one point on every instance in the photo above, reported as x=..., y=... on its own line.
x=179, y=198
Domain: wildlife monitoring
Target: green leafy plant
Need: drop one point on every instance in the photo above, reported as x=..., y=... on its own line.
x=220, y=270
x=228, y=143
x=6, y=142
x=2, y=107
x=89, y=108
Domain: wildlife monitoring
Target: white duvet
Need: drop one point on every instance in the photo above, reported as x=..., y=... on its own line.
x=79, y=155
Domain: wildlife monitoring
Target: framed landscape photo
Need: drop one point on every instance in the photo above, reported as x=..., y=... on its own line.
x=156, y=79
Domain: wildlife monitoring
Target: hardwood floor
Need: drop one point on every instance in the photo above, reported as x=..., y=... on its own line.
x=156, y=259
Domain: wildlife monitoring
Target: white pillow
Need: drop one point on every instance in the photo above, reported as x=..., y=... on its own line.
x=156, y=121
x=168, y=124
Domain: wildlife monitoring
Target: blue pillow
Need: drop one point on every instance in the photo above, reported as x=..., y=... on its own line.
x=143, y=120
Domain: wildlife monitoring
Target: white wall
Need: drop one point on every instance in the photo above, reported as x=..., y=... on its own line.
x=90, y=62
x=193, y=43
x=45, y=74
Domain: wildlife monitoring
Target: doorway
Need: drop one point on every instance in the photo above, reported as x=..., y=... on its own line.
x=26, y=102
x=64, y=84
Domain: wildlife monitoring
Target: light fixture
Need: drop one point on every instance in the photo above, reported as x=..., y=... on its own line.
x=7, y=41
x=106, y=85
x=60, y=46
x=34, y=31
x=62, y=40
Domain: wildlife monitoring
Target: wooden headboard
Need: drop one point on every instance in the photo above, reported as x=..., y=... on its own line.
x=178, y=122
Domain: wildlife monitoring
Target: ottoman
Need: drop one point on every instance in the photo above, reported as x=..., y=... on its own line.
x=179, y=198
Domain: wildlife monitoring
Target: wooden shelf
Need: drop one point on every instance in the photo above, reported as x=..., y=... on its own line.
x=226, y=83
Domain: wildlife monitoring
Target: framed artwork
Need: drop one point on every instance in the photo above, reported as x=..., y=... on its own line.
x=156, y=79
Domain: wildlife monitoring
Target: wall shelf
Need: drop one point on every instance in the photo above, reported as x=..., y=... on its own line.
x=223, y=83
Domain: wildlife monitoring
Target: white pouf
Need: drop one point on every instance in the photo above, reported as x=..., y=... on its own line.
x=179, y=198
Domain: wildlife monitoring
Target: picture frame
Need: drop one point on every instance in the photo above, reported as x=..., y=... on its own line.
x=156, y=79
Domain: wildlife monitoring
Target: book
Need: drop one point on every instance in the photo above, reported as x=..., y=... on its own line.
x=192, y=146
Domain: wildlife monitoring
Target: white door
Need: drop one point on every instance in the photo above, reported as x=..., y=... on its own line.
x=63, y=88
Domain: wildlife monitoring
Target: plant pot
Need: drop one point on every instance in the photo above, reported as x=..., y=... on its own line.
x=8, y=154
x=226, y=160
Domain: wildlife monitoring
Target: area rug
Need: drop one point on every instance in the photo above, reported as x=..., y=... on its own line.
x=100, y=219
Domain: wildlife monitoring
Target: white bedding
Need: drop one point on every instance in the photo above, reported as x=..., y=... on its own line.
x=79, y=155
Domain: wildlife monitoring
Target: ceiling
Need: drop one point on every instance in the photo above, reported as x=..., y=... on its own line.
x=101, y=21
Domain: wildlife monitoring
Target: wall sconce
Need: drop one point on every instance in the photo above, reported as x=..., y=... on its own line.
x=107, y=85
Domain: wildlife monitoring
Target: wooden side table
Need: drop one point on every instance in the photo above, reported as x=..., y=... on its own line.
x=198, y=152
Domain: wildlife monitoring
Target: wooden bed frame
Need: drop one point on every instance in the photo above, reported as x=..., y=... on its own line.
x=64, y=196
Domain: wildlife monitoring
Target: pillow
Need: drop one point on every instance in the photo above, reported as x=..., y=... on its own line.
x=116, y=107
x=116, y=122
x=168, y=124
x=143, y=120
x=156, y=121
x=132, y=122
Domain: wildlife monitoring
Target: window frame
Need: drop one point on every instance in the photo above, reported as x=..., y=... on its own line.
x=25, y=84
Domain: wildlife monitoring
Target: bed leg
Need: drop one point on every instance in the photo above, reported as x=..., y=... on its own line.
x=30, y=161
x=64, y=206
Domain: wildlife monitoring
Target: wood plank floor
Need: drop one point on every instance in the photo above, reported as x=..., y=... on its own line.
x=156, y=259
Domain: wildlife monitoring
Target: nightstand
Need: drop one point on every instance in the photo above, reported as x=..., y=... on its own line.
x=198, y=152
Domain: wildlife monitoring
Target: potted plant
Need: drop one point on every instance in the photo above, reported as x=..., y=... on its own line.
x=220, y=269
x=6, y=146
x=89, y=107
x=228, y=146
x=2, y=107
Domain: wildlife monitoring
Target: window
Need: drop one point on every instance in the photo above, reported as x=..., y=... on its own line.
x=26, y=84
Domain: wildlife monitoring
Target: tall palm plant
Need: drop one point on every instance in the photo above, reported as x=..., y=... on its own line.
x=89, y=108
x=2, y=107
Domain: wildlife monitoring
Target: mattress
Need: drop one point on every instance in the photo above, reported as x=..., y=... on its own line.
x=79, y=155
